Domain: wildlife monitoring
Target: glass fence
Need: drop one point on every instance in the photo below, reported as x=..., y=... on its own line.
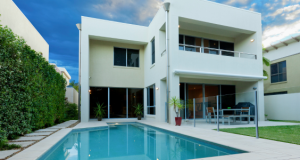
x=215, y=51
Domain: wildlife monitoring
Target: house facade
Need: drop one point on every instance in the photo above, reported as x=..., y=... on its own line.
x=187, y=51
x=13, y=18
x=285, y=68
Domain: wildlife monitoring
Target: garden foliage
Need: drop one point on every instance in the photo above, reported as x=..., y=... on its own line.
x=31, y=91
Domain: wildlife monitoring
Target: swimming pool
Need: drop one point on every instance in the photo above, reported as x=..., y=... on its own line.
x=132, y=141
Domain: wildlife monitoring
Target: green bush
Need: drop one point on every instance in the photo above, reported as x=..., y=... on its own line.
x=31, y=91
x=71, y=111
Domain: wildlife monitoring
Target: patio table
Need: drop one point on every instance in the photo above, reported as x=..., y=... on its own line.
x=234, y=115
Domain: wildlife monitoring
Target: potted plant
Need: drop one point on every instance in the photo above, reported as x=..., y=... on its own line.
x=100, y=112
x=266, y=117
x=138, y=111
x=175, y=103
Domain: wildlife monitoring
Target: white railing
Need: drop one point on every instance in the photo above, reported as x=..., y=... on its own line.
x=215, y=51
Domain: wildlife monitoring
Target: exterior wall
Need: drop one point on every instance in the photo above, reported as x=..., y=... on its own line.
x=72, y=95
x=104, y=73
x=291, y=55
x=283, y=107
x=12, y=17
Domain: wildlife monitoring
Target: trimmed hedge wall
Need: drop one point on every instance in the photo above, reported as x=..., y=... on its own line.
x=31, y=91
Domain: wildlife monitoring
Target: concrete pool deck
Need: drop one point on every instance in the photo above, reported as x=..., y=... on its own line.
x=257, y=148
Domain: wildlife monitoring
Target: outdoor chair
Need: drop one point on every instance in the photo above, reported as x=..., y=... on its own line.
x=210, y=113
x=245, y=112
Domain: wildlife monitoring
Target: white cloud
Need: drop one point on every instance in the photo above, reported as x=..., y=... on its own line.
x=144, y=11
x=293, y=15
x=286, y=12
x=276, y=33
x=284, y=2
x=237, y=1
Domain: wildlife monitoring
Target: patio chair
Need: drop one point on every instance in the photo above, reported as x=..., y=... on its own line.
x=210, y=113
x=247, y=111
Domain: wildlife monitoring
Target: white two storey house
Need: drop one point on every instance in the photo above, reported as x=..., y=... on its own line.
x=191, y=49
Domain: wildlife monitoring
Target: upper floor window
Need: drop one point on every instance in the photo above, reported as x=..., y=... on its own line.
x=189, y=43
x=126, y=57
x=153, y=51
x=278, y=72
x=151, y=99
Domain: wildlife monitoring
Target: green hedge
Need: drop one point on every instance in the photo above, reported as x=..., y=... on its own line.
x=31, y=91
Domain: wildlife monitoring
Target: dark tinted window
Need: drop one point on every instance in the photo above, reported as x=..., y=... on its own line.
x=151, y=99
x=189, y=40
x=119, y=57
x=228, y=47
x=181, y=39
x=278, y=72
x=132, y=58
x=153, y=51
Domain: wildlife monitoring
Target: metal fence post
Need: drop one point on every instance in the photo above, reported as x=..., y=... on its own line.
x=218, y=112
x=256, y=116
x=194, y=103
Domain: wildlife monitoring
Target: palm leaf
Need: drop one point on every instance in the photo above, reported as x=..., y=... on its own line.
x=266, y=61
x=266, y=75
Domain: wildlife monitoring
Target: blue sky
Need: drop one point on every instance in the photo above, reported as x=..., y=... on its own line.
x=56, y=19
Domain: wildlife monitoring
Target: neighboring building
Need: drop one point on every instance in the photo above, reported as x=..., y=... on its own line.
x=214, y=49
x=72, y=95
x=284, y=71
x=12, y=17
x=65, y=74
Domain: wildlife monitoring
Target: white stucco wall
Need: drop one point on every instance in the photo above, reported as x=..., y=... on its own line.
x=13, y=17
x=104, y=73
x=72, y=95
x=285, y=51
x=283, y=107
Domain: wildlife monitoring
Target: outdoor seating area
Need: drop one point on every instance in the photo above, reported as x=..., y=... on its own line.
x=237, y=114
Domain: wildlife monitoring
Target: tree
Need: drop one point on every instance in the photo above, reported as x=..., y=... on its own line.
x=266, y=62
x=74, y=85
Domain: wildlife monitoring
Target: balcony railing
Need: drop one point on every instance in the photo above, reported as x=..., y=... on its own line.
x=215, y=51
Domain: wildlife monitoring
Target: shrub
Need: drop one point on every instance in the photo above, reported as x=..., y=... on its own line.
x=71, y=111
x=31, y=91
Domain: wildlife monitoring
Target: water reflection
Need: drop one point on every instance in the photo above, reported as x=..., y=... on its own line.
x=133, y=142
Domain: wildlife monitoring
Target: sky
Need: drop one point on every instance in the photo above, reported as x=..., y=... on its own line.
x=56, y=20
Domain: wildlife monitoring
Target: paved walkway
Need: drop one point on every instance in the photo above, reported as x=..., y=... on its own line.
x=257, y=148
x=32, y=138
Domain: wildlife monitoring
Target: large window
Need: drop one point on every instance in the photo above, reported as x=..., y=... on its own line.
x=278, y=72
x=126, y=57
x=151, y=99
x=153, y=51
x=98, y=95
x=193, y=44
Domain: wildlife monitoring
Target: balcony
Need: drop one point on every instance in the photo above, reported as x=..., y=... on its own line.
x=208, y=46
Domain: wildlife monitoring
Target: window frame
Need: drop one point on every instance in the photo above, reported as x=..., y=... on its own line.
x=126, y=60
x=278, y=73
x=148, y=99
x=153, y=51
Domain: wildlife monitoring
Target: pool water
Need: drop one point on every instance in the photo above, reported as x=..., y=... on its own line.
x=133, y=141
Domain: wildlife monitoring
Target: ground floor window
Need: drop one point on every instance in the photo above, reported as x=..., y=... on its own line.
x=119, y=102
x=151, y=100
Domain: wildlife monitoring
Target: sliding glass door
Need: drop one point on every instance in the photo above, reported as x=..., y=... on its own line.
x=205, y=96
x=119, y=102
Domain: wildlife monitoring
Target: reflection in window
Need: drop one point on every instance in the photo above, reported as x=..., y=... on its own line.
x=151, y=99
x=278, y=72
x=126, y=57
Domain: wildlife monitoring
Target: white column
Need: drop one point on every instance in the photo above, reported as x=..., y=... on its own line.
x=85, y=87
